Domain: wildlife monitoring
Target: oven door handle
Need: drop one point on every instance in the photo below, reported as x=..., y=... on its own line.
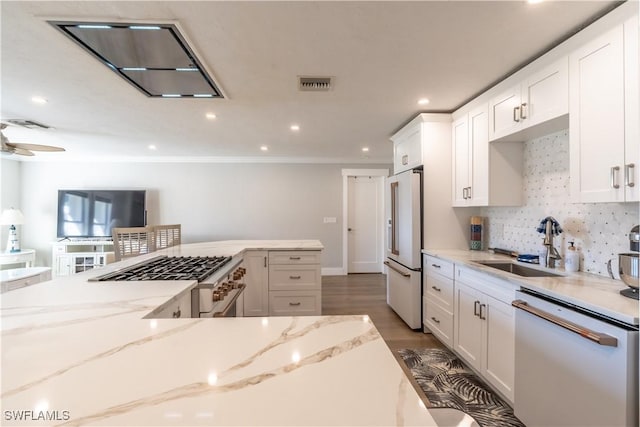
x=597, y=337
x=232, y=301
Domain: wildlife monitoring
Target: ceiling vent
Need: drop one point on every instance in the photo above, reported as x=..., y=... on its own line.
x=314, y=84
x=154, y=58
x=31, y=124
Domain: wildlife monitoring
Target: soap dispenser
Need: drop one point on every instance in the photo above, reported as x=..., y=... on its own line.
x=572, y=259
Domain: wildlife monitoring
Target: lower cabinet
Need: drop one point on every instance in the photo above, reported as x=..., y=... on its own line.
x=295, y=283
x=180, y=307
x=484, y=327
x=256, y=294
x=437, y=291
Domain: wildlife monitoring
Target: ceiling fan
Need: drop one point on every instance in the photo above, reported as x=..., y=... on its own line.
x=23, y=149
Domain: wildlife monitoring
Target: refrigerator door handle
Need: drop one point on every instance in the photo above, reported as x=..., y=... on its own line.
x=388, y=264
x=394, y=219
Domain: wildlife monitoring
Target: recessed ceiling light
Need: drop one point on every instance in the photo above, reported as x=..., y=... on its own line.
x=39, y=99
x=264, y=148
x=295, y=128
x=152, y=147
x=365, y=149
x=210, y=116
x=423, y=101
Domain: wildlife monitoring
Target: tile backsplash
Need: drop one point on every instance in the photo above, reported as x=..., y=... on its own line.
x=599, y=230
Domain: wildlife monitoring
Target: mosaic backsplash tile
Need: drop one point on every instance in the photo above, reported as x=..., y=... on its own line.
x=599, y=230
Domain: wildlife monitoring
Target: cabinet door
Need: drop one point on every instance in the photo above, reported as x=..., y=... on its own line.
x=479, y=148
x=461, y=161
x=407, y=150
x=504, y=114
x=256, y=294
x=631, y=111
x=62, y=265
x=468, y=325
x=596, y=122
x=545, y=94
x=498, y=362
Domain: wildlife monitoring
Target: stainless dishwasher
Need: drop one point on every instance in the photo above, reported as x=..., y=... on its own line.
x=573, y=367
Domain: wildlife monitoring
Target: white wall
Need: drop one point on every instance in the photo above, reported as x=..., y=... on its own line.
x=10, y=184
x=212, y=201
x=600, y=230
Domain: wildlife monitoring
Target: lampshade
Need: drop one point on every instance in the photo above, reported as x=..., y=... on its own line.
x=11, y=216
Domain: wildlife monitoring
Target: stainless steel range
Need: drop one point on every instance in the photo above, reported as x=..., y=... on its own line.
x=219, y=280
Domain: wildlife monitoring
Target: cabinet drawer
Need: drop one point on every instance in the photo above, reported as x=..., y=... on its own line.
x=439, y=290
x=439, y=322
x=300, y=303
x=292, y=277
x=437, y=265
x=294, y=257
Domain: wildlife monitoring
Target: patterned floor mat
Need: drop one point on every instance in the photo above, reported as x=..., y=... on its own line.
x=448, y=383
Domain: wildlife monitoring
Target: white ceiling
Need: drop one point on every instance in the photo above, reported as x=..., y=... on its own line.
x=384, y=56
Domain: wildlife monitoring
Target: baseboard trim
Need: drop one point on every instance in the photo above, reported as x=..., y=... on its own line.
x=333, y=271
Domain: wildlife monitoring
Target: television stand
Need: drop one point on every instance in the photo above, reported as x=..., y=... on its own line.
x=75, y=256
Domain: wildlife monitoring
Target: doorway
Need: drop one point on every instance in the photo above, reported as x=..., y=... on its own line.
x=363, y=225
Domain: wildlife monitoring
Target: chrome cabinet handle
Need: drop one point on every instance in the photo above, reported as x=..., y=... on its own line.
x=480, y=315
x=628, y=174
x=294, y=258
x=435, y=288
x=265, y=262
x=435, y=320
x=475, y=308
x=523, y=111
x=294, y=303
x=516, y=114
x=469, y=192
x=614, y=174
x=294, y=277
x=597, y=337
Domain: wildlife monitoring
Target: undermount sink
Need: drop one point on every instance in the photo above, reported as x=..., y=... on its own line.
x=518, y=269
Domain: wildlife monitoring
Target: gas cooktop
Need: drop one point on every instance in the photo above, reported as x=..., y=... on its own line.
x=168, y=268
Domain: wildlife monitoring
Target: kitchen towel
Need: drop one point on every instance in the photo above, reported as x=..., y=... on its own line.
x=555, y=226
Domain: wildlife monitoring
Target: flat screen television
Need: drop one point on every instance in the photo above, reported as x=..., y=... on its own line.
x=93, y=213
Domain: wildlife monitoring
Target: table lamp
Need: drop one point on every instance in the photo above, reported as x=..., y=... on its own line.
x=12, y=217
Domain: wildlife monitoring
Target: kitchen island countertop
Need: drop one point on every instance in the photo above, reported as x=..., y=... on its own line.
x=80, y=353
x=592, y=292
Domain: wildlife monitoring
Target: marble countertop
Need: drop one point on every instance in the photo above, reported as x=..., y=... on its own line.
x=592, y=292
x=80, y=353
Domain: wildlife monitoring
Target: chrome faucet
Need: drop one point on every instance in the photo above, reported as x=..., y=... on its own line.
x=552, y=253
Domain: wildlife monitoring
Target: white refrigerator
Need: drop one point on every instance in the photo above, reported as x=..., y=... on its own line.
x=403, y=246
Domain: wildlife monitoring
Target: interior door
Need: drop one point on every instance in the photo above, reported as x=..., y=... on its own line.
x=365, y=200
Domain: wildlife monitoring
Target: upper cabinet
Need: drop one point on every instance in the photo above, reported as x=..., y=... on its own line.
x=536, y=101
x=407, y=148
x=484, y=173
x=603, y=132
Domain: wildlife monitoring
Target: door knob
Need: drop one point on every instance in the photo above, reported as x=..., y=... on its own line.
x=349, y=229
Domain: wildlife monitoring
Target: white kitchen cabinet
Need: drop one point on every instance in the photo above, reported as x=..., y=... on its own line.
x=179, y=307
x=484, y=327
x=437, y=291
x=538, y=99
x=407, y=148
x=256, y=293
x=295, y=283
x=604, y=146
x=484, y=174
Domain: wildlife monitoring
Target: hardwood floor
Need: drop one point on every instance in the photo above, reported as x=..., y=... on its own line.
x=367, y=294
